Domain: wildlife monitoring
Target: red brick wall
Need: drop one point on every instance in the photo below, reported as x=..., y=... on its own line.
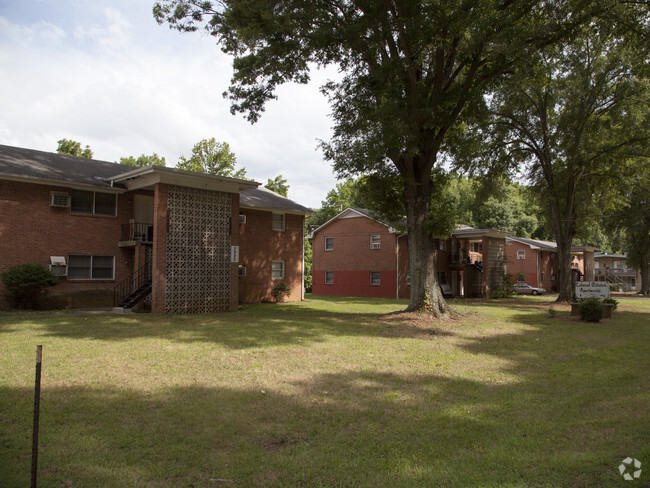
x=355, y=284
x=528, y=266
x=260, y=245
x=31, y=231
x=352, y=259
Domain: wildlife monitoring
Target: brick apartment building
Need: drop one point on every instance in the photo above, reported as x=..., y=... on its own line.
x=185, y=242
x=615, y=269
x=536, y=262
x=355, y=254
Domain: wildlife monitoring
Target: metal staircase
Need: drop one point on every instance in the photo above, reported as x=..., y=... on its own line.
x=133, y=290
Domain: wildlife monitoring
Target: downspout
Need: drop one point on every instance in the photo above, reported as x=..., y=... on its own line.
x=537, y=267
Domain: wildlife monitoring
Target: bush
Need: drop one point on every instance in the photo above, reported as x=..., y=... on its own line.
x=26, y=285
x=500, y=294
x=280, y=290
x=592, y=310
x=611, y=301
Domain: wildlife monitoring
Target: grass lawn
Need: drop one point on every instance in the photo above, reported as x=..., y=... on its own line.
x=330, y=392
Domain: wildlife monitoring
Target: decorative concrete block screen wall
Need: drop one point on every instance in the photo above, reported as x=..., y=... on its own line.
x=198, y=251
x=496, y=255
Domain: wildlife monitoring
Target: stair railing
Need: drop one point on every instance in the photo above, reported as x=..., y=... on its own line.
x=132, y=283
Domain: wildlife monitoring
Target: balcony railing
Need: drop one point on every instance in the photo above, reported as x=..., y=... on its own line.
x=137, y=231
x=614, y=272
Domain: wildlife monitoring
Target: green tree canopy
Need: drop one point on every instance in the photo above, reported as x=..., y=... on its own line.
x=143, y=160
x=73, y=148
x=412, y=72
x=212, y=157
x=278, y=185
x=569, y=121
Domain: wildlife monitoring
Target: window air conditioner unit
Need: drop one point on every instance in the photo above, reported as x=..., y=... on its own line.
x=59, y=199
x=242, y=218
x=58, y=266
x=375, y=245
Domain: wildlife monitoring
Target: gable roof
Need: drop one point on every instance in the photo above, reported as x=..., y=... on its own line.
x=535, y=244
x=264, y=199
x=352, y=212
x=29, y=165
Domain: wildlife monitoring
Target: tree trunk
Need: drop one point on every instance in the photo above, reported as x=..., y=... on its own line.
x=565, y=273
x=564, y=230
x=425, y=290
x=645, y=274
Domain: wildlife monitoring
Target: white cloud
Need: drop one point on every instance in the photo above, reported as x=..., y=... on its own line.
x=115, y=80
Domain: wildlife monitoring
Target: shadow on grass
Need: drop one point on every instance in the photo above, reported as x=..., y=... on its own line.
x=344, y=429
x=566, y=402
x=261, y=325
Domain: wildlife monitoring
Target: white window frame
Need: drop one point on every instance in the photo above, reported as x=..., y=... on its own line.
x=375, y=241
x=521, y=254
x=475, y=244
x=329, y=239
x=376, y=282
x=331, y=280
x=91, y=267
x=282, y=221
x=274, y=271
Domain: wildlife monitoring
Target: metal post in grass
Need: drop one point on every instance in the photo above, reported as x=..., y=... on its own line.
x=37, y=404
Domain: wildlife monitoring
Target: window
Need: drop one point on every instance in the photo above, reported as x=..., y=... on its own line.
x=553, y=277
x=375, y=242
x=91, y=267
x=277, y=270
x=442, y=277
x=94, y=203
x=329, y=243
x=329, y=277
x=521, y=254
x=440, y=244
x=475, y=247
x=278, y=222
x=375, y=278
x=408, y=279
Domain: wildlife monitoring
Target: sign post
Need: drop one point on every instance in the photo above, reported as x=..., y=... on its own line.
x=37, y=404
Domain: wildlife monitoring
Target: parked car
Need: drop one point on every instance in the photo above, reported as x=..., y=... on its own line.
x=526, y=289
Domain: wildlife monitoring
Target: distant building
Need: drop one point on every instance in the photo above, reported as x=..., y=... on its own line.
x=355, y=254
x=614, y=269
x=536, y=262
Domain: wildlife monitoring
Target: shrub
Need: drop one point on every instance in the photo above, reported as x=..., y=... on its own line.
x=26, y=285
x=521, y=276
x=280, y=290
x=611, y=301
x=500, y=294
x=592, y=310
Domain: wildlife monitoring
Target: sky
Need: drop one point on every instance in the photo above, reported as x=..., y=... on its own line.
x=107, y=75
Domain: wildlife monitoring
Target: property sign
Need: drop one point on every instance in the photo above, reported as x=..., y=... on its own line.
x=592, y=289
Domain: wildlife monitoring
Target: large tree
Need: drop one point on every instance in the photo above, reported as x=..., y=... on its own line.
x=73, y=148
x=569, y=121
x=410, y=71
x=212, y=157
